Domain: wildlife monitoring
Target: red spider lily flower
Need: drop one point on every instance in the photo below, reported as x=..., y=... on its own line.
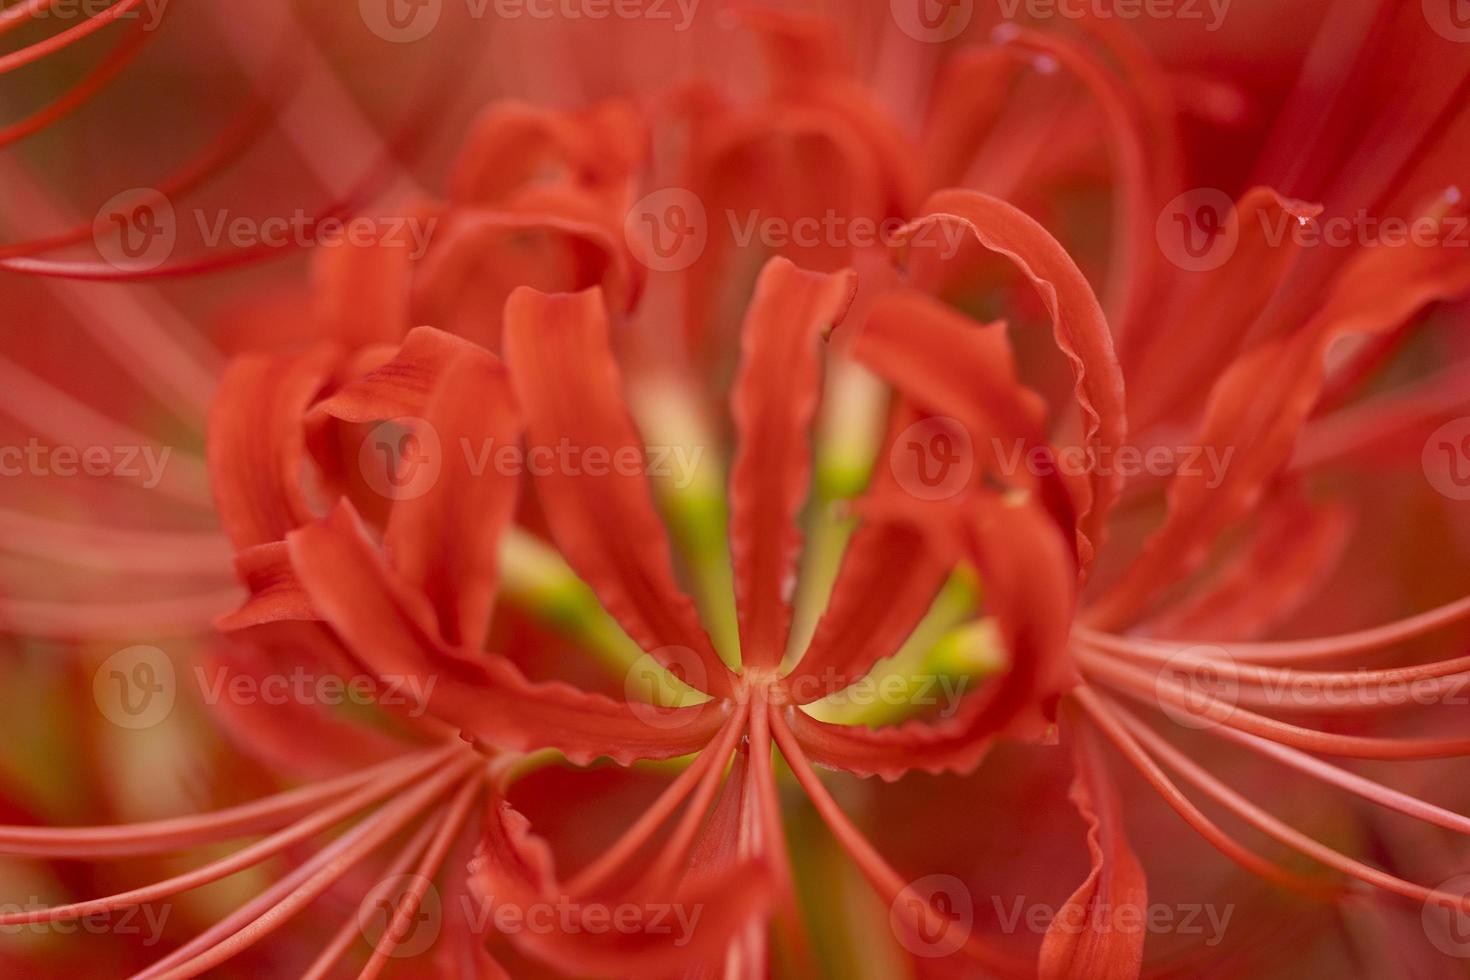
x=404, y=585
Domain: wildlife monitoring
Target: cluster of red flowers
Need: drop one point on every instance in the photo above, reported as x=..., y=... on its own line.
x=683, y=549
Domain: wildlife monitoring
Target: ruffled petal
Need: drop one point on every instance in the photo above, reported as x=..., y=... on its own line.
x=592, y=483
x=445, y=542
x=1258, y=407
x=275, y=593
x=1099, y=931
x=256, y=444
x=514, y=145
x=948, y=365
x=390, y=630
x=1080, y=330
x=891, y=572
x=551, y=239
x=774, y=400
x=1029, y=575
x=662, y=933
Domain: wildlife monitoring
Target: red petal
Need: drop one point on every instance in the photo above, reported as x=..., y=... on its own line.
x=256, y=445
x=1259, y=405
x=1028, y=574
x=773, y=402
x=514, y=868
x=445, y=542
x=1179, y=366
x=514, y=145
x=1099, y=932
x=1080, y=329
x=891, y=572
x=949, y=365
x=390, y=630
x=275, y=594
x=567, y=383
x=553, y=239
x=361, y=291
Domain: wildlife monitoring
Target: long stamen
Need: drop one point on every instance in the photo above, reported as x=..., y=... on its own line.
x=59, y=416
x=1102, y=711
x=1358, y=690
x=178, y=833
x=453, y=822
x=365, y=838
x=351, y=929
x=1287, y=651
x=670, y=863
x=1148, y=689
x=1281, y=831
x=597, y=874
x=93, y=82
x=39, y=50
x=888, y=882
x=768, y=808
x=242, y=859
x=1385, y=796
x=98, y=546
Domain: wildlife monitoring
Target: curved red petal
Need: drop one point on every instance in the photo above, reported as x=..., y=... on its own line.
x=601, y=516
x=773, y=402
x=1080, y=329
